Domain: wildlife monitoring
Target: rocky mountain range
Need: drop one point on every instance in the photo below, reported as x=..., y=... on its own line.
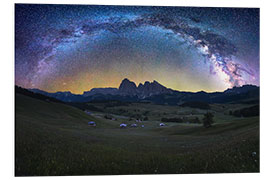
x=155, y=92
x=129, y=88
x=147, y=89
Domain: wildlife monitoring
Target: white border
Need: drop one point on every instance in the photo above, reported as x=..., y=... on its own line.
x=204, y=3
x=7, y=83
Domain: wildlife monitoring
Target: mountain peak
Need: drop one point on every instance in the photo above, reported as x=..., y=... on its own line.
x=126, y=80
x=146, y=82
x=143, y=90
x=128, y=87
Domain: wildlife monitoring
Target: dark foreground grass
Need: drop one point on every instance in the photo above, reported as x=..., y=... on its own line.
x=54, y=139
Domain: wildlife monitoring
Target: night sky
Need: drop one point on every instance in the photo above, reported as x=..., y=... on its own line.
x=76, y=48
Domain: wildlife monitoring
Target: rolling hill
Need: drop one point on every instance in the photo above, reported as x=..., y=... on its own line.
x=53, y=138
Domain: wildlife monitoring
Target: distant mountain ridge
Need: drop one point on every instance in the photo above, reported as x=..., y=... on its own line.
x=129, y=88
x=104, y=91
x=156, y=93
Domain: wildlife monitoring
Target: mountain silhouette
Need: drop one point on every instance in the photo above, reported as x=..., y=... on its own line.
x=156, y=93
x=128, y=87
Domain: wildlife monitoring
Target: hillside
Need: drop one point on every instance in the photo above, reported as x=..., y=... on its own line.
x=54, y=139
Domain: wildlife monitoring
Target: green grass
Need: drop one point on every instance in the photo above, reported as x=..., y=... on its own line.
x=54, y=139
x=157, y=112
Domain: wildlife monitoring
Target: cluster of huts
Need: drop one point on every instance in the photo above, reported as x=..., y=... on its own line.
x=122, y=125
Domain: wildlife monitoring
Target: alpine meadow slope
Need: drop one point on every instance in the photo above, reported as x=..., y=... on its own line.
x=54, y=138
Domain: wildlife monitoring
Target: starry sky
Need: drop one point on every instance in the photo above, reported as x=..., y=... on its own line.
x=79, y=47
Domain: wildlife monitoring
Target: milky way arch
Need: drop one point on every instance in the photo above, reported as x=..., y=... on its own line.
x=219, y=51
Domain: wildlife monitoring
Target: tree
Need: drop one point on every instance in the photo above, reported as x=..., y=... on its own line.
x=208, y=120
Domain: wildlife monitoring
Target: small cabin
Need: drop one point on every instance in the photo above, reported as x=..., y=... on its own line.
x=88, y=112
x=91, y=123
x=133, y=125
x=161, y=124
x=123, y=125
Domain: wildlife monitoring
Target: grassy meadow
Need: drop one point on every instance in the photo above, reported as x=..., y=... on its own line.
x=54, y=139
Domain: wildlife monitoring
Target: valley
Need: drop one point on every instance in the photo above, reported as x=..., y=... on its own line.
x=54, y=138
